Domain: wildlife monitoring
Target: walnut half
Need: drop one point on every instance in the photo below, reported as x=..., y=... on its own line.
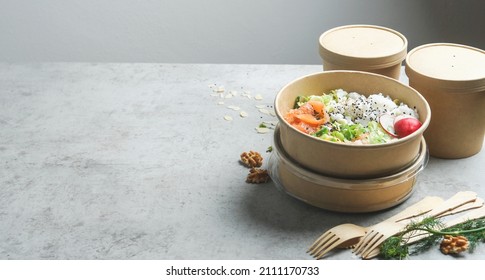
x=454, y=244
x=257, y=176
x=252, y=159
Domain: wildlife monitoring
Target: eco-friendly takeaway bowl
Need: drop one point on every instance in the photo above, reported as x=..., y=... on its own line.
x=452, y=79
x=343, y=195
x=367, y=48
x=346, y=160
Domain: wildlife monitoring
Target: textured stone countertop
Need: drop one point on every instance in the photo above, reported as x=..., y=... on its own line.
x=136, y=161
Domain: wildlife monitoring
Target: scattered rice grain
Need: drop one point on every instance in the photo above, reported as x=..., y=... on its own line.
x=232, y=107
x=262, y=130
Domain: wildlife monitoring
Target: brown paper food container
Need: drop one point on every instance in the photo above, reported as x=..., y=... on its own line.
x=367, y=48
x=343, y=195
x=452, y=79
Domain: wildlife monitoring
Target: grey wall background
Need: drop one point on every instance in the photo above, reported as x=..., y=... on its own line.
x=217, y=31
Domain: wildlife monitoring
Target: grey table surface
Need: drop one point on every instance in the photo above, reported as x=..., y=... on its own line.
x=136, y=161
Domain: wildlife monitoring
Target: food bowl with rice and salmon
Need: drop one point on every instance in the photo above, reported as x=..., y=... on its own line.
x=351, y=124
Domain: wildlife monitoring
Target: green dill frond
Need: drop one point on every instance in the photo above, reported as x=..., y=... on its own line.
x=392, y=249
x=425, y=244
x=397, y=247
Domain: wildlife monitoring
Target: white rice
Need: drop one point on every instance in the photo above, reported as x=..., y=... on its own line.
x=356, y=108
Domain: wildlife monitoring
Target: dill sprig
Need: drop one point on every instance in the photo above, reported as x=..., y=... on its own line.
x=398, y=247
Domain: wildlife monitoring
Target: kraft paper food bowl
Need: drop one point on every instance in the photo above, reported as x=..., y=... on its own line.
x=343, y=195
x=367, y=48
x=452, y=79
x=349, y=160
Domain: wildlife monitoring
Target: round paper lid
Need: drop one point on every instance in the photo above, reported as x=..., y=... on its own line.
x=448, y=65
x=365, y=45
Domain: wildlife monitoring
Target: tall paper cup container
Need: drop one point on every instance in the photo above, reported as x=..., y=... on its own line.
x=367, y=48
x=451, y=77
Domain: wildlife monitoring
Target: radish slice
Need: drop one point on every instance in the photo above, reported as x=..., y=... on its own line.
x=387, y=123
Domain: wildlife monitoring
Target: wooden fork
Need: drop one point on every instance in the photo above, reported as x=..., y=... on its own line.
x=341, y=236
x=380, y=232
x=346, y=235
